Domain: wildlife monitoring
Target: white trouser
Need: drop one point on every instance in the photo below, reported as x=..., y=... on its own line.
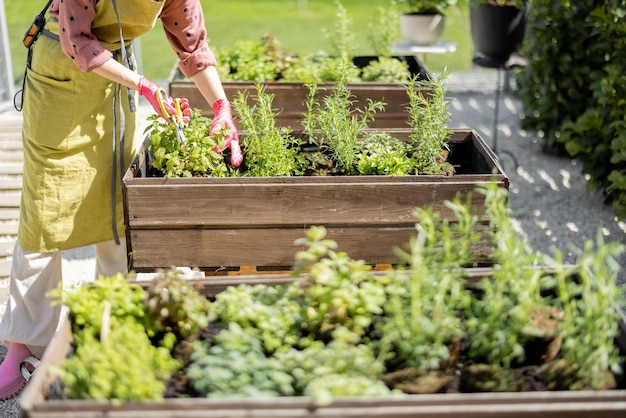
x=29, y=317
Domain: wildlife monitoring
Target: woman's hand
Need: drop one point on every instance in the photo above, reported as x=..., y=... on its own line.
x=223, y=121
x=165, y=106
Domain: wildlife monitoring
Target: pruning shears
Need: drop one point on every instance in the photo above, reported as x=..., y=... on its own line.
x=177, y=119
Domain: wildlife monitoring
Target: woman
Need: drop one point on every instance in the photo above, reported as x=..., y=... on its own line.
x=79, y=136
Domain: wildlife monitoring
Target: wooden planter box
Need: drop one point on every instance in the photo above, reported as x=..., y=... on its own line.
x=217, y=223
x=289, y=97
x=36, y=402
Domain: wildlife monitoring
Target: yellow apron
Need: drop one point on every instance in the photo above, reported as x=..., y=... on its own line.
x=69, y=138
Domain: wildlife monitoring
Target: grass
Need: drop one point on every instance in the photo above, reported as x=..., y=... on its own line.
x=299, y=29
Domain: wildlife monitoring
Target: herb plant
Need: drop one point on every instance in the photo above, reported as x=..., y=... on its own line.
x=384, y=29
x=382, y=154
x=336, y=125
x=426, y=6
x=516, y=3
x=386, y=70
x=247, y=60
x=320, y=67
x=139, y=371
x=337, y=139
x=238, y=367
x=342, y=37
x=176, y=305
x=428, y=119
x=193, y=157
x=268, y=150
x=342, y=329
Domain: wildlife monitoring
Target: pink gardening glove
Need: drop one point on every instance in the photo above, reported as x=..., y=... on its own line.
x=223, y=120
x=151, y=92
x=185, y=109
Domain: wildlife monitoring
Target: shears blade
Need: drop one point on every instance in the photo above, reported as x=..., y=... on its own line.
x=176, y=119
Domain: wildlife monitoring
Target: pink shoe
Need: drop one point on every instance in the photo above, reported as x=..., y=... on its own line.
x=11, y=377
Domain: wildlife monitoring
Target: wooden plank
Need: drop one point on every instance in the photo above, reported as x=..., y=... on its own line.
x=8, y=228
x=10, y=200
x=8, y=142
x=6, y=248
x=11, y=183
x=253, y=247
x=7, y=214
x=11, y=155
x=5, y=267
x=215, y=248
x=290, y=98
x=274, y=204
x=10, y=169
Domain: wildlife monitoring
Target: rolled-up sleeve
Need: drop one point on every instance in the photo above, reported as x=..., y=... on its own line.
x=183, y=22
x=77, y=42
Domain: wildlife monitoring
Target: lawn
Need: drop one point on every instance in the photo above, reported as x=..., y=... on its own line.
x=299, y=25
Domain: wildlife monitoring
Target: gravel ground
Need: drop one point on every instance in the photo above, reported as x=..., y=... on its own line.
x=549, y=199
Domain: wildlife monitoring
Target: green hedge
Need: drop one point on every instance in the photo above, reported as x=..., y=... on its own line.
x=574, y=89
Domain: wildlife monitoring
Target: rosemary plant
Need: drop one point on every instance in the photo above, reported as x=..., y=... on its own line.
x=342, y=38
x=428, y=119
x=336, y=125
x=427, y=295
x=384, y=29
x=268, y=149
x=590, y=302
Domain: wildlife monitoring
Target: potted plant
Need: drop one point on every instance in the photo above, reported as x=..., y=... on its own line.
x=423, y=21
x=497, y=28
x=336, y=338
x=216, y=221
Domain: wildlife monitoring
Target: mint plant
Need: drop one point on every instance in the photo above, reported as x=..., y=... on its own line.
x=193, y=157
x=235, y=365
x=382, y=154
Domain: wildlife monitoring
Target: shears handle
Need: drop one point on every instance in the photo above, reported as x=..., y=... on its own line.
x=162, y=98
x=179, y=112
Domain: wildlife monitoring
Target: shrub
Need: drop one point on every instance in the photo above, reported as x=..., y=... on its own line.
x=573, y=91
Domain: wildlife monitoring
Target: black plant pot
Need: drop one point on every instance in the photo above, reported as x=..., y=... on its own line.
x=497, y=31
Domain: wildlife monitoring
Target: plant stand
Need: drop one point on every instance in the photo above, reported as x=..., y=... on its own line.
x=513, y=62
x=406, y=47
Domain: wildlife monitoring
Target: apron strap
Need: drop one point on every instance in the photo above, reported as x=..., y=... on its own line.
x=126, y=61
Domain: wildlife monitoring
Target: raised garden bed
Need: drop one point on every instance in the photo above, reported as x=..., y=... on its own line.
x=41, y=398
x=218, y=223
x=290, y=96
x=428, y=337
